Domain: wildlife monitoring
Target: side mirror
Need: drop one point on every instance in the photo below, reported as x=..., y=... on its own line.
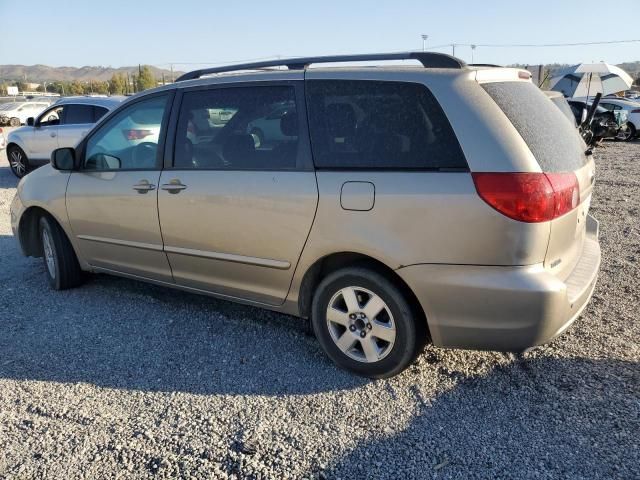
x=63, y=159
x=30, y=121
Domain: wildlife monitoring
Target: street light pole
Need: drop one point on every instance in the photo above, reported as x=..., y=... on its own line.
x=453, y=49
x=424, y=42
x=473, y=49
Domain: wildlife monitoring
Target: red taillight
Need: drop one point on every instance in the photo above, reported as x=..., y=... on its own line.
x=529, y=197
x=637, y=110
x=136, y=134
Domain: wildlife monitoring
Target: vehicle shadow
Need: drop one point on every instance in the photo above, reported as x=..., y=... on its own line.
x=542, y=417
x=535, y=418
x=7, y=178
x=118, y=333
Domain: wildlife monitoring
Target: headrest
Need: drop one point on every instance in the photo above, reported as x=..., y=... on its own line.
x=289, y=123
x=238, y=146
x=341, y=119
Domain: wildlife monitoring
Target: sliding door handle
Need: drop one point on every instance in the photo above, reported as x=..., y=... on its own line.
x=174, y=186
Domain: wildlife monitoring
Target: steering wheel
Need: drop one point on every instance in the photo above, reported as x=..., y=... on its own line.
x=144, y=155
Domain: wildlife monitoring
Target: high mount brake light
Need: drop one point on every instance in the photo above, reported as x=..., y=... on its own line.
x=529, y=197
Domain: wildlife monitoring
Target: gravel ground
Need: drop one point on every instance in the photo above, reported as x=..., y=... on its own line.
x=120, y=379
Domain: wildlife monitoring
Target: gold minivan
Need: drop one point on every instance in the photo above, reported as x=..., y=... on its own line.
x=390, y=205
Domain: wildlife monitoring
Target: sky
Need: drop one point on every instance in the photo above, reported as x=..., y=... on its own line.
x=187, y=33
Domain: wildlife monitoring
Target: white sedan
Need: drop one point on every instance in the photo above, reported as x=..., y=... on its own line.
x=16, y=113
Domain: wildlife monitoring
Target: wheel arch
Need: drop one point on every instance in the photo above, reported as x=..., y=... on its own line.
x=13, y=143
x=338, y=260
x=29, y=230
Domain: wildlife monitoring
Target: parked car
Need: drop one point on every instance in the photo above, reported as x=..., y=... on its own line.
x=16, y=113
x=631, y=108
x=605, y=124
x=63, y=124
x=441, y=202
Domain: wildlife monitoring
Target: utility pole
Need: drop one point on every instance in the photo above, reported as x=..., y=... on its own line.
x=424, y=42
x=473, y=49
x=453, y=49
x=172, y=73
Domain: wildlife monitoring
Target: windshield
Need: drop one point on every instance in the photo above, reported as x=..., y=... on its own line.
x=10, y=106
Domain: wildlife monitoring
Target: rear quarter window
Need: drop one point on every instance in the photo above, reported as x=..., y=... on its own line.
x=379, y=125
x=554, y=142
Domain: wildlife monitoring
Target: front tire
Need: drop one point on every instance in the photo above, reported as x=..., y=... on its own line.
x=633, y=132
x=60, y=260
x=14, y=122
x=18, y=161
x=365, y=324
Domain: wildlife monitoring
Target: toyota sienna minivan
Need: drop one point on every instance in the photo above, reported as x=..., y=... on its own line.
x=392, y=206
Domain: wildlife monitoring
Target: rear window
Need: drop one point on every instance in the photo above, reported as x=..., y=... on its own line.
x=372, y=124
x=554, y=142
x=78, y=114
x=564, y=107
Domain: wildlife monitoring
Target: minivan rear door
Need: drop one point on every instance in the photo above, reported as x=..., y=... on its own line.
x=558, y=148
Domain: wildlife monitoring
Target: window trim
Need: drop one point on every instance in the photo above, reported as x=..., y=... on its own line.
x=304, y=161
x=464, y=169
x=38, y=120
x=82, y=147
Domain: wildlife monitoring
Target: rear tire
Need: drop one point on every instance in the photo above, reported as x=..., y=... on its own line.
x=18, y=161
x=355, y=337
x=14, y=122
x=60, y=260
x=625, y=134
x=633, y=132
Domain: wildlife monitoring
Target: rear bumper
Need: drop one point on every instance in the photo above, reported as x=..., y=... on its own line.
x=503, y=308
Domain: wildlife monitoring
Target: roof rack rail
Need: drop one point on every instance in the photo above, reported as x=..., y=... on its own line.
x=428, y=60
x=484, y=65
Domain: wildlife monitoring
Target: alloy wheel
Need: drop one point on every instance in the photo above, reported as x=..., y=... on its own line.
x=17, y=162
x=361, y=324
x=49, y=257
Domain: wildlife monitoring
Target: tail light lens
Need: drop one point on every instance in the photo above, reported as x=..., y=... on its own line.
x=136, y=134
x=529, y=197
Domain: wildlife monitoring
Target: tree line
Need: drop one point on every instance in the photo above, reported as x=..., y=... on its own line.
x=119, y=84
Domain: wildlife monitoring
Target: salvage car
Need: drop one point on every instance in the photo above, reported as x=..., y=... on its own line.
x=632, y=110
x=605, y=124
x=16, y=113
x=398, y=205
x=61, y=125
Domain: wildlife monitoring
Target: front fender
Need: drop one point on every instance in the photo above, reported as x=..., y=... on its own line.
x=45, y=188
x=17, y=137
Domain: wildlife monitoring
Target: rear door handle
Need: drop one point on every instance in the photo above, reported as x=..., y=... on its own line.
x=174, y=186
x=144, y=186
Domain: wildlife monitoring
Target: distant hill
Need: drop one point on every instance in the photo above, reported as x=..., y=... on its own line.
x=44, y=73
